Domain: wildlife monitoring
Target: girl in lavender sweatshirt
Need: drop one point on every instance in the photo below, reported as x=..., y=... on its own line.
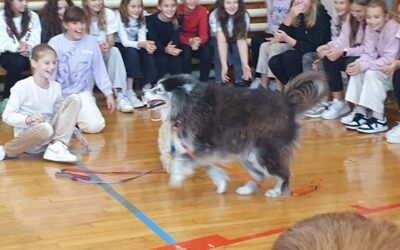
x=80, y=60
x=368, y=84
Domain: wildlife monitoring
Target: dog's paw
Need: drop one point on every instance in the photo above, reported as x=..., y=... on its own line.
x=273, y=193
x=222, y=187
x=176, y=180
x=245, y=190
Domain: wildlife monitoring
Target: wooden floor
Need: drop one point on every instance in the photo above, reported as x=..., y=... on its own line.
x=40, y=211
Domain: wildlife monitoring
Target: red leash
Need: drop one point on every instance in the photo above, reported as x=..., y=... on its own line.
x=71, y=173
x=315, y=184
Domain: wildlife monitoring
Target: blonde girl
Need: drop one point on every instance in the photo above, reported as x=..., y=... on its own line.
x=103, y=25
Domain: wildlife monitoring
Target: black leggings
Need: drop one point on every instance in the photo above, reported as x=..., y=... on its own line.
x=287, y=65
x=333, y=71
x=15, y=64
x=396, y=85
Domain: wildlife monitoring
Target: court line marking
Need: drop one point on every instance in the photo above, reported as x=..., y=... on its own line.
x=220, y=241
x=128, y=205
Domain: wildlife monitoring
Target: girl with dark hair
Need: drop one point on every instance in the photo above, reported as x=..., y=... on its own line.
x=19, y=33
x=164, y=28
x=79, y=62
x=51, y=17
x=136, y=50
x=229, y=24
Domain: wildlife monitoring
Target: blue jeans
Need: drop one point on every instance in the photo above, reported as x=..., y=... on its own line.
x=233, y=60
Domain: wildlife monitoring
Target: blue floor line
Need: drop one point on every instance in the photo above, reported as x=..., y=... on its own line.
x=135, y=211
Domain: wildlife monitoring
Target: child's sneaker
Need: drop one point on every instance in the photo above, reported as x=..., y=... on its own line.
x=393, y=135
x=335, y=110
x=316, y=111
x=2, y=153
x=348, y=118
x=358, y=120
x=123, y=104
x=135, y=102
x=59, y=152
x=373, y=125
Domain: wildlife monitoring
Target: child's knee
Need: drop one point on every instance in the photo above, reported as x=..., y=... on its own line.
x=92, y=127
x=44, y=131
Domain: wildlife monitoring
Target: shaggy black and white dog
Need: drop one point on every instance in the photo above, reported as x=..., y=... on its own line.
x=220, y=124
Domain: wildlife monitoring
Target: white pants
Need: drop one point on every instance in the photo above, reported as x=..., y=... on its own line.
x=268, y=50
x=90, y=120
x=116, y=70
x=368, y=89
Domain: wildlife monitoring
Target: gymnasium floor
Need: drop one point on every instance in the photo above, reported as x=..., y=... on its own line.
x=41, y=211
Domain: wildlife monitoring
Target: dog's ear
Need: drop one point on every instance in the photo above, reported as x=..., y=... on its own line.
x=180, y=104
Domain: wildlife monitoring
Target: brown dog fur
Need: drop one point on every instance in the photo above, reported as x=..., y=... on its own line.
x=340, y=231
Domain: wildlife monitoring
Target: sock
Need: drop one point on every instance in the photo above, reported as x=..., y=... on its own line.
x=130, y=93
x=379, y=116
x=119, y=95
x=361, y=110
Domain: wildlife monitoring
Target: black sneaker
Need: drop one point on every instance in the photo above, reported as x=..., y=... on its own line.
x=358, y=120
x=373, y=125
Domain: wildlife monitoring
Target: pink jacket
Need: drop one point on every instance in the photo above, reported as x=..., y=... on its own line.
x=380, y=47
x=343, y=40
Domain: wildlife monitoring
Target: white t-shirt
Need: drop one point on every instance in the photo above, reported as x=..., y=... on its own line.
x=27, y=98
x=216, y=26
x=112, y=27
x=131, y=35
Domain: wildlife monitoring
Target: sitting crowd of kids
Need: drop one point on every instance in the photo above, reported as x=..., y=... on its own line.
x=70, y=50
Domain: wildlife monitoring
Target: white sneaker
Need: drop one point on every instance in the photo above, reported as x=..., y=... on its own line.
x=348, y=118
x=316, y=111
x=336, y=109
x=256, y=83
x=373, y=125
x=2, y=153
x=147, y=86
x=59, y=152
x=123, y=104
x=135, y=102
x=393, y=135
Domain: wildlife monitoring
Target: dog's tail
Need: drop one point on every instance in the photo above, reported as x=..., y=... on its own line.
x=306, y=90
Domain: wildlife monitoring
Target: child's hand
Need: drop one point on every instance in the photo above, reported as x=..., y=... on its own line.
x=246, y=72
x=150, y=46
x=353, y=69
x=314, y=65
x=24, y=49
x=172, y=50
x=281, y=36
x=224, y=73
x=322, y=50
x=195, y=43
x=297, y=8
x=35, y=118
x=105, y=48
x=334, y=53
x=110, y=103
x=389, y=68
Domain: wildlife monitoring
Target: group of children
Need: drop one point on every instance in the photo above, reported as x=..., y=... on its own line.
x=363, y=42
x=115, y=51
x=120, y=50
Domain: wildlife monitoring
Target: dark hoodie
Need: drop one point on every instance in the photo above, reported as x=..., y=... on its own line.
x=309, y=39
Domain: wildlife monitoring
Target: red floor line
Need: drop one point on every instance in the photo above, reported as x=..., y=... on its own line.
x=216, y=240
x=213, y=241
